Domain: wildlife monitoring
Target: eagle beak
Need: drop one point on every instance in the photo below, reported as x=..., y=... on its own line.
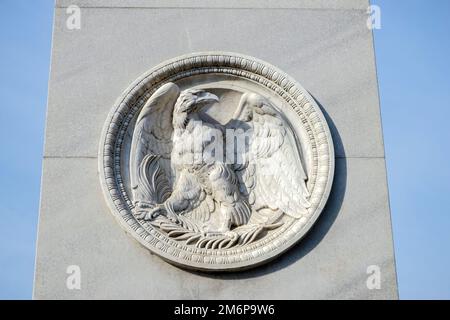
x=207, y=98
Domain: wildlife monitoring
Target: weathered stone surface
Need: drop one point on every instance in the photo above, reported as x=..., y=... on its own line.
x=328, y=50
x=220, y=4
x=76, y=228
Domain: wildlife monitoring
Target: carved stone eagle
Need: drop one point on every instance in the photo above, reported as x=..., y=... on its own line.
x=236, y=188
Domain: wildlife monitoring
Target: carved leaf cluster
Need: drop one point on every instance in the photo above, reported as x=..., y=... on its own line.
x=185, y=230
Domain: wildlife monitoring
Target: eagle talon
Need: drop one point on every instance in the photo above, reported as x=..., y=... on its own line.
x=231, y=234
x=157, y=213
x=149, y=214
x=140, y=214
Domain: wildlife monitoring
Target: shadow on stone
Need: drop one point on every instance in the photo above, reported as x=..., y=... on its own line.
x=317, y=232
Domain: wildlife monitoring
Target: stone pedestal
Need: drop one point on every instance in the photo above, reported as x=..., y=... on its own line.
x=324, y=45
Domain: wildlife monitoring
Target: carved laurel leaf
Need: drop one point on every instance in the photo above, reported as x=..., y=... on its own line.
x=185, y=230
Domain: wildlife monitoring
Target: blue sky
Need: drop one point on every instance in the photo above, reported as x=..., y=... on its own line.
x=25, y=35
x=412, y=49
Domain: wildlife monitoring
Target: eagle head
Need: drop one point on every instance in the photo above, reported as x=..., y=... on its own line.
x=190, y=101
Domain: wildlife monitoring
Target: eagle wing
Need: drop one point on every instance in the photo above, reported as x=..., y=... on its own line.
x=271, y=173
x=150, y=168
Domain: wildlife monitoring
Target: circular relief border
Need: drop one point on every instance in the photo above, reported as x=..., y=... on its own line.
x=233, y=64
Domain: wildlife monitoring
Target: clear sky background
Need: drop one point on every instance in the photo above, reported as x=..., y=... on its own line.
x=413, y=57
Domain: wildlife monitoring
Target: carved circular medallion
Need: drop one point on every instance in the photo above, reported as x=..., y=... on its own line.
x=216, y=161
